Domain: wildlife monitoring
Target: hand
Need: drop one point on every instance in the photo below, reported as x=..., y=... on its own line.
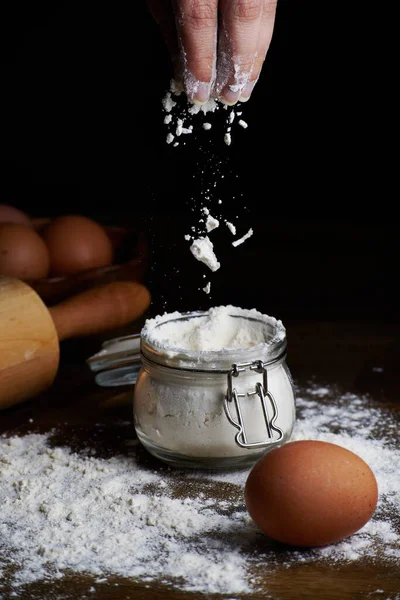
x=217, y=47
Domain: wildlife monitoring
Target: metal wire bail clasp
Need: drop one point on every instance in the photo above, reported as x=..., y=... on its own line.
x=265, y=396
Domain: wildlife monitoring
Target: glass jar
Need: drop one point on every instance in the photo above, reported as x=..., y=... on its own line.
x=218, y=409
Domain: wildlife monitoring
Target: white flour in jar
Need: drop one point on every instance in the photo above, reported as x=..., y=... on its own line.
x=222, y=327
x=154, y=526
x=187, y=417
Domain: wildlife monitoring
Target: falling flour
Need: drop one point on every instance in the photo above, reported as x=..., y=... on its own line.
x=65, y=511
x=182, y=117
x=180, y=114
x=243, y=238
x=203, y=249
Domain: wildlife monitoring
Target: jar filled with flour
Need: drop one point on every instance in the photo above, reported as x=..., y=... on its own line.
x=213, y=390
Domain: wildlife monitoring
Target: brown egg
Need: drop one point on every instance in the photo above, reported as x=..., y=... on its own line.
x=10, y=214
x=23, y=253
x=310, y=493
x=76, y=243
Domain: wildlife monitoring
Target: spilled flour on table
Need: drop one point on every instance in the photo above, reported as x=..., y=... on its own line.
x=66, y=511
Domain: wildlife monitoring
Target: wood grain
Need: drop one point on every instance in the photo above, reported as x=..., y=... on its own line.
x=29, y=351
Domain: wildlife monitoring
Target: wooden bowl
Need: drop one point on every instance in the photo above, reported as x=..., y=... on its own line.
x=130, y=264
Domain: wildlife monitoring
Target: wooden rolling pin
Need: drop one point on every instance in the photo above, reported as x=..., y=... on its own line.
x=30, y=332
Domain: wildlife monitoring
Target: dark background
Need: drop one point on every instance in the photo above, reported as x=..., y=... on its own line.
x=82, y=131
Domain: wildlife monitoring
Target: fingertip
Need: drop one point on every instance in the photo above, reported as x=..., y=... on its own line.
x=230, y=95
x=176, y=85
x=199, y=92
x=247, y=91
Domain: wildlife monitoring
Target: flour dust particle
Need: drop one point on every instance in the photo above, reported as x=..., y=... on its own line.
x=68, y=512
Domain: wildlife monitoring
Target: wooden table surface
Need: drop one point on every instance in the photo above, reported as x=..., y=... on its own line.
x=339, y=353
